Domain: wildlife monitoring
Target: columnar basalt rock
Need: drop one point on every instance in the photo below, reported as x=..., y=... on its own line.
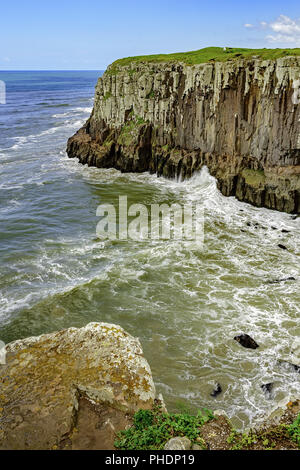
x=240, y=118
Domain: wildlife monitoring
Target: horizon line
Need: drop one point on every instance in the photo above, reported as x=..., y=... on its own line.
x=53, y=70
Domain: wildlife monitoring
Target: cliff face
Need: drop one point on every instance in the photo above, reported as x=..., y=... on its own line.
x=239, y=118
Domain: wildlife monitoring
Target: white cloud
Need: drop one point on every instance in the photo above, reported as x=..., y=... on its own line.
x=283, y=30
x=283, y=38
x=248, y=25
x=286, y=25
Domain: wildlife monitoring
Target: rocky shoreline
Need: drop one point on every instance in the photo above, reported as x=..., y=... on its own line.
x=239, y=118
x=79, y=388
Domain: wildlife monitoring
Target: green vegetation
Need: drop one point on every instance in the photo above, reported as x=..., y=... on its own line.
x=130, y=130
x=152, y=429
x=127, y=134
x=107, y=95
x=294, y=430
x=150, y=95
x=131, y=72
x=267, y=440
x=242, y=441
x=217, y=54
x=254, y=178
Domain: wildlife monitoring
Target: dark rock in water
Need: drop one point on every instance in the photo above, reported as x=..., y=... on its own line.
x=294, y=217
x=267, y=388
x=249, y=224
x=291, y=278
x=217, y=390
x=285, y=231
x=246, y=341
x=290, y=364
x=273, y=228
x=283, y=247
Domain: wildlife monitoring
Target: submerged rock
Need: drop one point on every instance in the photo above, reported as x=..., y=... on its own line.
x=246, y=341
x=217, y=391
x=290, y=365
x=290, y=278
x=291, y=360
x=45, y=377
x=283, y=247
x=267, y=388
x=296, y=351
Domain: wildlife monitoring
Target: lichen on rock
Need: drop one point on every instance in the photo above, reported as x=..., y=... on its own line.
x=44, y=378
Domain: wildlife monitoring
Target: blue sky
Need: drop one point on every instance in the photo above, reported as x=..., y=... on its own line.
x=88, y=35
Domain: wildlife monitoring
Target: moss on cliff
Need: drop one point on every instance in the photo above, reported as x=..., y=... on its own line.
x=254, y=178
x=130, y=131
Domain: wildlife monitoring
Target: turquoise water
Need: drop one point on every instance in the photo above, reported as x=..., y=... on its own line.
x=184, y=303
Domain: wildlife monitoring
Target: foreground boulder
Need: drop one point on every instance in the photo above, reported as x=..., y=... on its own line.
x=45, y=378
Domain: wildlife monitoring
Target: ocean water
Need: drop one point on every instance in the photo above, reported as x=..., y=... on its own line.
x=185, y=304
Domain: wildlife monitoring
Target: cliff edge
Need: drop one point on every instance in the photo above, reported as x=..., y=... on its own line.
x=239, y=117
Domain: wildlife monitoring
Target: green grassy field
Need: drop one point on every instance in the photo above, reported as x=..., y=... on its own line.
x=210, y=53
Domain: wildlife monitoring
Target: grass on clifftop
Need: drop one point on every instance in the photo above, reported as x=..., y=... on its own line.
x=207, y=54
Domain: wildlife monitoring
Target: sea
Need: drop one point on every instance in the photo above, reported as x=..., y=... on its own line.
x=185, y=302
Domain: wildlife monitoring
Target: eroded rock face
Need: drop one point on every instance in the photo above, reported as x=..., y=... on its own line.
x=239, y=118
x=44, y=377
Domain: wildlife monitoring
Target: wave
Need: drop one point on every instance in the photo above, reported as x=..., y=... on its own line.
x=21, y=141
x=75, y=111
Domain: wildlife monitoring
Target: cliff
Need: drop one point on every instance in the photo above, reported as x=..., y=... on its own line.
x=239, y=117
